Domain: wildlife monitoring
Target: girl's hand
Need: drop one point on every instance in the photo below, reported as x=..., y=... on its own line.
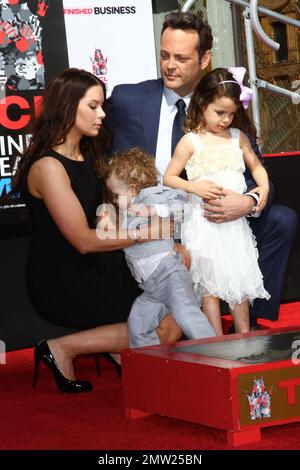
x=208, y=190
x=263, y=193
x=141, y=210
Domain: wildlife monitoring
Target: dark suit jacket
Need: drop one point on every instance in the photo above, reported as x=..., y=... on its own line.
x=133, y=115
x=133, y=118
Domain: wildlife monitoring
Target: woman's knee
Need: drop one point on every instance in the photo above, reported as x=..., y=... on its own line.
x=168, y=331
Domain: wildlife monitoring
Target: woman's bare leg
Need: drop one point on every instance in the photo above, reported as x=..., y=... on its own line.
x=211, y=308
x=168, y=331
x=107, y=338
x=240, y=315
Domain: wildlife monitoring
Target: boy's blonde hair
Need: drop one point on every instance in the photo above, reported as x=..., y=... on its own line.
x=134, y=167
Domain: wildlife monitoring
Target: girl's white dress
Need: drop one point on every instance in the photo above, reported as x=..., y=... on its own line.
x=224, y=256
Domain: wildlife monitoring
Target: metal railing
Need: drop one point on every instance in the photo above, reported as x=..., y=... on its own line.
x=252, y=23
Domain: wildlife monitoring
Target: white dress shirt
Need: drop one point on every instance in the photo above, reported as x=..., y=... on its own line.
x=142, y=268
x=168, y=111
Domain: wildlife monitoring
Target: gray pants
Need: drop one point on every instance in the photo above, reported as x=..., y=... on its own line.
x=169, y=289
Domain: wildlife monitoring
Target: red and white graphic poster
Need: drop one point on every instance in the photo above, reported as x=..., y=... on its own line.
x=112, y=39
x=32, y=49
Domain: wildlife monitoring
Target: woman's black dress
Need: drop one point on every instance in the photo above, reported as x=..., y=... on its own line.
x=64, y=286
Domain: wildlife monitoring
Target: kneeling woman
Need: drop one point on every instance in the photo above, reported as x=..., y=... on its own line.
x=73, y=277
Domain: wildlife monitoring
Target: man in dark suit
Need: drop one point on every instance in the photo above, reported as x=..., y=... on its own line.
x=143, y=115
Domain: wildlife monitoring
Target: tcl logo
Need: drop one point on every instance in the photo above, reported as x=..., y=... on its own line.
x=21, y=111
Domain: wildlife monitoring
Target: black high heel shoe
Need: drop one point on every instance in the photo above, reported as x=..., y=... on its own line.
x=43, y=353
x=107, y=356
x=97, y=363
x=117, y=366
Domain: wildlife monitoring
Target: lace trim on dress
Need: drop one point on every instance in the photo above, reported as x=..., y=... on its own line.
x=208, y=159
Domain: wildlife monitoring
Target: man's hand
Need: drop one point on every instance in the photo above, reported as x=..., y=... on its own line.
x=230, y=207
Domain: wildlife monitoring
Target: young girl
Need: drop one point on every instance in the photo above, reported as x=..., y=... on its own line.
x=214, y=153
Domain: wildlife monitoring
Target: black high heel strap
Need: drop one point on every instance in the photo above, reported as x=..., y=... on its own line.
x=116, y=365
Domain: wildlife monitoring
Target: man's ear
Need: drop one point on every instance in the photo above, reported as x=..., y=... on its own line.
x=205, y=60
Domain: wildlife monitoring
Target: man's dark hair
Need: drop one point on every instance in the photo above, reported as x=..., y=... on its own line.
x=190, y=21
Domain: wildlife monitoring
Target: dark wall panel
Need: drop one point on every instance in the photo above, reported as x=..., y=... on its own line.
x=285, y=172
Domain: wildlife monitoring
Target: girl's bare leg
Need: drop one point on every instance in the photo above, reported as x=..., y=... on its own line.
x=211, y=308
x=240, y=315
x=184, y=253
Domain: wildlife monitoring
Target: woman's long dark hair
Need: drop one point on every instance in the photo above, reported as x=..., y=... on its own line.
x=56, y=117
x=210, y=88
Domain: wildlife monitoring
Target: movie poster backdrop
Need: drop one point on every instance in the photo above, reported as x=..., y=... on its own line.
x=113, y=39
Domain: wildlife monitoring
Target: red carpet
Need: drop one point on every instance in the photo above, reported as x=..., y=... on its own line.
x=289, y=315
x=46, y=419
